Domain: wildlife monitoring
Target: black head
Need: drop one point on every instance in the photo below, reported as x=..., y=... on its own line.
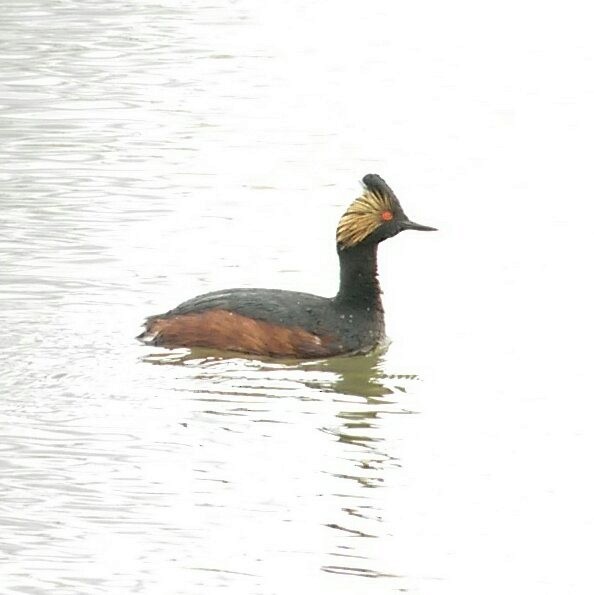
x=373, y=217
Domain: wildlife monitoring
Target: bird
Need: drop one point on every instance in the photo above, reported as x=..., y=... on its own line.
x=276, y=323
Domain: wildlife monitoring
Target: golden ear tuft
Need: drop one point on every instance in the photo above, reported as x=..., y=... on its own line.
x=363, y=217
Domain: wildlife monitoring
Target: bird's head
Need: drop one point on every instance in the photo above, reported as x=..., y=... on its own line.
x=373, y=217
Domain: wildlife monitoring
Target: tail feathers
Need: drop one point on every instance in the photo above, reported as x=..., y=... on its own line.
x=150, y=336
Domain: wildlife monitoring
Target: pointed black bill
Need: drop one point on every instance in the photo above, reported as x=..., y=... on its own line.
x=417, y=226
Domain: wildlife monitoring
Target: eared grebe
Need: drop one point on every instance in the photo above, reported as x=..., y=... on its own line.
x=278, y=323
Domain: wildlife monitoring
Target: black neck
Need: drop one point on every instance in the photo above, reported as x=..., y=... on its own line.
x=359, y=286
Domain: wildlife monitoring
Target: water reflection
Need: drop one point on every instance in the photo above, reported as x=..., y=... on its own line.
x=346, y=402
x=361, y=426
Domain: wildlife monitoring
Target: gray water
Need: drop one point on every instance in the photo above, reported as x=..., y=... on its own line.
x=151, y=151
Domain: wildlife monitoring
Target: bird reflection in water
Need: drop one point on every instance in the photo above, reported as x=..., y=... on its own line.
x=353, y=401
x=361, y=425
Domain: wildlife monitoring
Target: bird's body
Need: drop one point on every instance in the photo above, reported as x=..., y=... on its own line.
x=279, y=323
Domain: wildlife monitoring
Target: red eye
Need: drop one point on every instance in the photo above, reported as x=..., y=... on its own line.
x=387, y=215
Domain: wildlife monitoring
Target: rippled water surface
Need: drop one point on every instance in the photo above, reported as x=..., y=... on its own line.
x=151, y=151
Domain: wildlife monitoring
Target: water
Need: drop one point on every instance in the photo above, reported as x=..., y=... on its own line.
x=152, y=151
